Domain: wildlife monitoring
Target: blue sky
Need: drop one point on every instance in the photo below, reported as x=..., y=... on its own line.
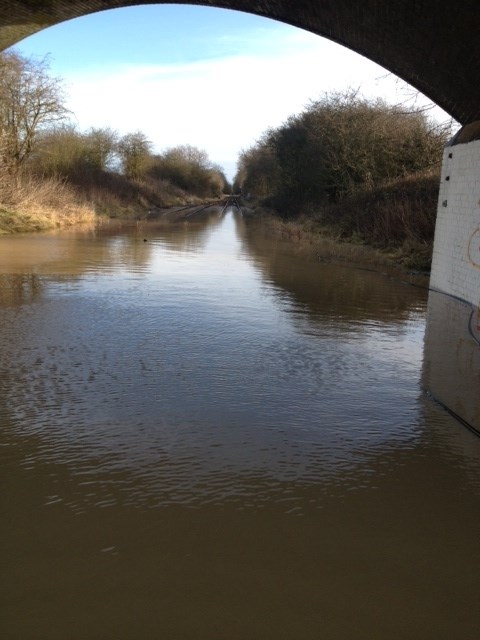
x=213, y=78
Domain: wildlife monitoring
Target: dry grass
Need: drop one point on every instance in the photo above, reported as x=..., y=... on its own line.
x=391, y=225
x=309, y=239
x=34, y=203
x=117, y=196
x=29, y=204
x=403, y=209
x=398, y=218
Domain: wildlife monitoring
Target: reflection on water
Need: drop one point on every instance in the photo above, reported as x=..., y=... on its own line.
x=452, y=357
x=206, y=437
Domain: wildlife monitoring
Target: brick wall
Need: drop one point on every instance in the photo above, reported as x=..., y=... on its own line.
x=456, y=253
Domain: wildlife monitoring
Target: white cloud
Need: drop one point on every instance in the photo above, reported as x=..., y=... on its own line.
x=223, y=105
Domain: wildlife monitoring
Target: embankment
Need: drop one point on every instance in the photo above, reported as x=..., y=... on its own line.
x=392, y=226
x=38, y=205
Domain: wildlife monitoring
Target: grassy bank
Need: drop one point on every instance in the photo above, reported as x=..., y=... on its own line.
x=308, y=238
x=117, y=196
x=30, y=204
x=39, y=204
x=393, y=225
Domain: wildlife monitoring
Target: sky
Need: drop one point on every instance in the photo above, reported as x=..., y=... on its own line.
x=212, y=78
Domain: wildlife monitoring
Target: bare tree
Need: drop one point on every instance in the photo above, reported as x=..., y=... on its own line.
x=30, y=100
x=102, y=145
x=134, y=151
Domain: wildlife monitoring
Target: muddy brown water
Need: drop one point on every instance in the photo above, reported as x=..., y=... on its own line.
x=205, y=437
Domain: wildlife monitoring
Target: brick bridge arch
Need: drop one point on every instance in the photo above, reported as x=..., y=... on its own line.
x=433, y=45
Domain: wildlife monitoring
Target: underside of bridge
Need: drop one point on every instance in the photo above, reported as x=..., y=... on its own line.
x=431, y=44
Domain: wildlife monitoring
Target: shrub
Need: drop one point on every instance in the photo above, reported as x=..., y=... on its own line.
x=338, y=146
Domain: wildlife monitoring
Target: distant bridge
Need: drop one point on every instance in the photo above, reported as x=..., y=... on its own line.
x=431, y=44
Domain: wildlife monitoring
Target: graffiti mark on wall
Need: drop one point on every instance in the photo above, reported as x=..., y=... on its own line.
x=473, y=251
x=475, y=324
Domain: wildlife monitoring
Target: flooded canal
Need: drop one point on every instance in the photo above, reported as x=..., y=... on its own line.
x=204, y=437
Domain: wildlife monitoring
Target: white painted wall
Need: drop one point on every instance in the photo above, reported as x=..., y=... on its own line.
x=456, y=250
